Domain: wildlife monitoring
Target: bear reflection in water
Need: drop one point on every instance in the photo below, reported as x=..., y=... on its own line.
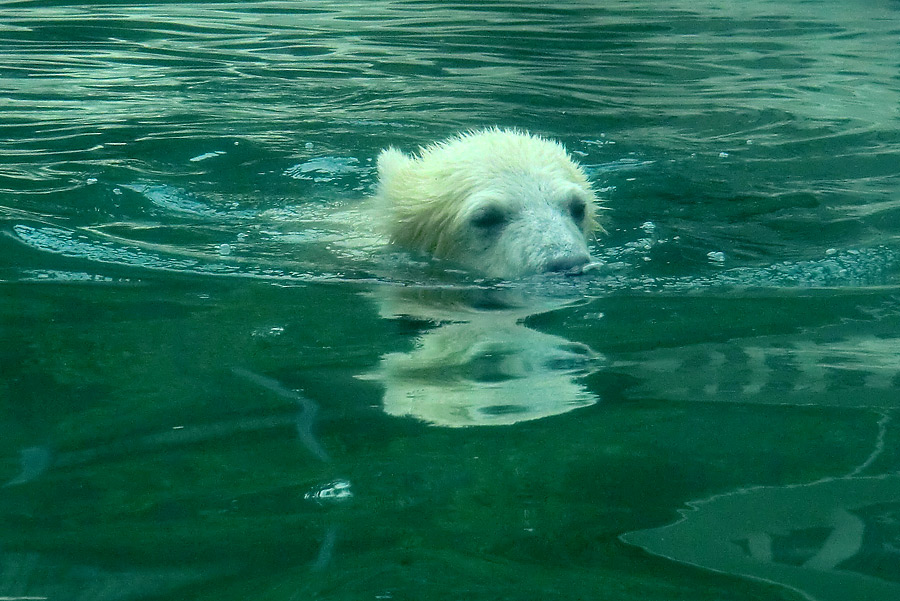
x=480, y=366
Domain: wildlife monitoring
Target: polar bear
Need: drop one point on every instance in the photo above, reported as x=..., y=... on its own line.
x=502, y=202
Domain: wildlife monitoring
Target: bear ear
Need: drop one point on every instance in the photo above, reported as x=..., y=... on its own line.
x=390, y=161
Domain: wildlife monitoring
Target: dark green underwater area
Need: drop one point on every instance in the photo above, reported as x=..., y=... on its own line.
x=218, y=383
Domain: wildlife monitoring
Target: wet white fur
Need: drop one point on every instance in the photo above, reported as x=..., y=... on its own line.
x=501, y=202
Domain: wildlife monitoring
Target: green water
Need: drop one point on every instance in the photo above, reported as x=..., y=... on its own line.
x=215, y=384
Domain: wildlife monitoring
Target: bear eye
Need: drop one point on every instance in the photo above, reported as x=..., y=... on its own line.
x=577, y=209
x=488, y=218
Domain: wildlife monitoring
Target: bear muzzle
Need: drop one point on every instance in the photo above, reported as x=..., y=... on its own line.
x=570, y=264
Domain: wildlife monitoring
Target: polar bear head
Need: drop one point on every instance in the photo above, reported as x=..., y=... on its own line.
x=502, y=202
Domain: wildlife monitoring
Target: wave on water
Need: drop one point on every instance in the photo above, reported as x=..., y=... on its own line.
x=620, y=268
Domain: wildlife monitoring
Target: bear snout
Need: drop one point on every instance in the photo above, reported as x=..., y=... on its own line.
x=571, y=264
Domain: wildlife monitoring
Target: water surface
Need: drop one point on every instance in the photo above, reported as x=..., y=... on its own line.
x=217, y=383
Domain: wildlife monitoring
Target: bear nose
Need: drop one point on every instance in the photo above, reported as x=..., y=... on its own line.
x=568, y=263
